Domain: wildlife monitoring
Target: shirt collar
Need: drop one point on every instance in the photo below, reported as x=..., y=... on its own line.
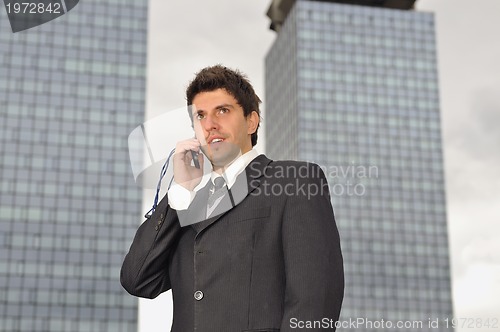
x=236, y=168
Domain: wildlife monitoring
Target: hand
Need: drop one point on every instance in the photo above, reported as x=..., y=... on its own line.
x=184, y=174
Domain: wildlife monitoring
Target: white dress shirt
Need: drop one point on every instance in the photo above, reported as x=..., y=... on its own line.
x=179, y=198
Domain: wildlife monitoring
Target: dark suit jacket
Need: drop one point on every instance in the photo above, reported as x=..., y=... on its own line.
x=274, y=257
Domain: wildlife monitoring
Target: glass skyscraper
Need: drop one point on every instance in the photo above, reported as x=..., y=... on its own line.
x=355, y=89
x=71, y=91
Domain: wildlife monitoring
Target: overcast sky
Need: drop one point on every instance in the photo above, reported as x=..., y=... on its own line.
x=185, y=36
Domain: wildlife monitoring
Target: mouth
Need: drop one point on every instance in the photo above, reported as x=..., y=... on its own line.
x=215, y=140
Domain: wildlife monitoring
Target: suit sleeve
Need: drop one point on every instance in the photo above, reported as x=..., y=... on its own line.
x=313, y=259
x=144, y=271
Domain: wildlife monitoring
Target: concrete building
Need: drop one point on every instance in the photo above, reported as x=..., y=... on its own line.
x=71, y=91
x=353, y=86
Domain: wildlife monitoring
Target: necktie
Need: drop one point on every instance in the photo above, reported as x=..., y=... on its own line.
x=216, y=192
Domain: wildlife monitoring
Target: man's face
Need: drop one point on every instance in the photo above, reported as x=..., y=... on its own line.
x=221, y=127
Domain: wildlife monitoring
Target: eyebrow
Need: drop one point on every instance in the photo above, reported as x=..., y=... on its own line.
x=218, y=107
x=224, y=106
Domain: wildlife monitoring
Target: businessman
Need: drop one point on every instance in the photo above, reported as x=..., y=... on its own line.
x=257, y=247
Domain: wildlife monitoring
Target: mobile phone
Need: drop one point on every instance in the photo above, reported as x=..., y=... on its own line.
x=195, y=159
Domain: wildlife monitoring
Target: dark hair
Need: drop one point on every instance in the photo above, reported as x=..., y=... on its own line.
x=233, y=81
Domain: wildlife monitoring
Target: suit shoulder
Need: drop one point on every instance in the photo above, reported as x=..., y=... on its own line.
x=295, y=169
x=294, y=164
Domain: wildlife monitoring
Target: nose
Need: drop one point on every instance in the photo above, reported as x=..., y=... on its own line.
x=210, y=123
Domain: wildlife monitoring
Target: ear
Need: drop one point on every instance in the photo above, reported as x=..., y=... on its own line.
x=253, y=120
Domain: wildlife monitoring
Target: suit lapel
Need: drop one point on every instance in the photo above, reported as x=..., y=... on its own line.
x=197, y=210
x=255, y=170
x=245, y=183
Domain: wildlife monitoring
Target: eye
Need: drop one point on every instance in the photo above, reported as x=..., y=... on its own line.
x=199, y=116
x=223, y=110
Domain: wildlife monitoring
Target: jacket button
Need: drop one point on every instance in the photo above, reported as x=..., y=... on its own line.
x=198, y=295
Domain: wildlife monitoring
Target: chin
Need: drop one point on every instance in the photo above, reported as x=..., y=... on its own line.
x=222, y=156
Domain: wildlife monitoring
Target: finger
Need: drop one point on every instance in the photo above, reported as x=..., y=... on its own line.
x=190, y=144
x=188, y=157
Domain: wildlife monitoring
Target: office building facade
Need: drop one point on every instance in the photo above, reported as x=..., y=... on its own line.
x=354, y=88
x=71, y=91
